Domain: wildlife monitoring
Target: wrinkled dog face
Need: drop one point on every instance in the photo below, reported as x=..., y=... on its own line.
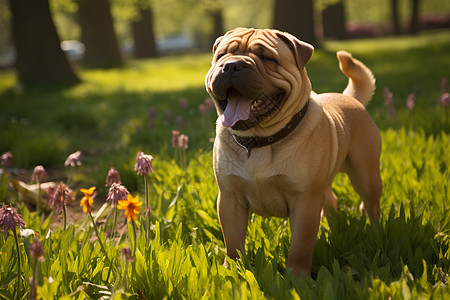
x=253, y=75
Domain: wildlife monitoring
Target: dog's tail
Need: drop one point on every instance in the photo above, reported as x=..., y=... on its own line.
x=361, y=82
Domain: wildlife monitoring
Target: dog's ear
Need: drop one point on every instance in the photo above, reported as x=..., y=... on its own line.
x=302, y=50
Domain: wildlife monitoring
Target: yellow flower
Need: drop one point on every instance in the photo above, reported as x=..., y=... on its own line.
x=131, y=206
x=87, y=200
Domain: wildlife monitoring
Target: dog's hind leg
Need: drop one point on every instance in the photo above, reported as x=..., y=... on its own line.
x=363, y=169
x=330, y=202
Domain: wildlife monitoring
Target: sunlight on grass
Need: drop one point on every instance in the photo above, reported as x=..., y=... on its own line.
x=152, y=75
x=397, y=43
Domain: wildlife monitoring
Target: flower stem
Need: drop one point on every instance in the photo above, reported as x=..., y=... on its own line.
x=113, y=232
x=135, y=239
x=18, y=264
x=99, y=238
x=38, y=200
x=64, y=215
x=147, y=209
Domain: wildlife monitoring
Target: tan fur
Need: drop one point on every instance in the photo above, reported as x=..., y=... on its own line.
x=292, y=177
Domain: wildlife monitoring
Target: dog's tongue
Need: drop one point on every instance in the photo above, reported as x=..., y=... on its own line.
x=238, y=108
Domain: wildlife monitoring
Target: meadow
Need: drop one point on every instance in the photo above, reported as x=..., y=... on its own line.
x=176, y=251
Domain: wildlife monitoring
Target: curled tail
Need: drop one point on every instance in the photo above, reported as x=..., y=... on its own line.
x=361, y=82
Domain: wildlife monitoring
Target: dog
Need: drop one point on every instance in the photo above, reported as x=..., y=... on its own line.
x=279, y=145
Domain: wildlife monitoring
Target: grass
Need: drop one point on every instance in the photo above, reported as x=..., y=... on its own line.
x=405, y=256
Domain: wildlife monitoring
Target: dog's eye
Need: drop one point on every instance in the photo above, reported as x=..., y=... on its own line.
x=220, y=55
x=263, y=56
x=268, y=59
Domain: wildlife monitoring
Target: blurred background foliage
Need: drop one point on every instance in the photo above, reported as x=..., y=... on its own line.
x=195, y=19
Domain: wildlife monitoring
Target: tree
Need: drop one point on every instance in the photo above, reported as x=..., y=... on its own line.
x=97, y=34
x=217, y=29
x=297, y=18
x=333, y=20
x=414, y=21
x=40, y=59
x=394, y=16
x=143, y=34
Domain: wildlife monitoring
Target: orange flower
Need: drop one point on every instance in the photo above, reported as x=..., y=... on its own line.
x=87, y=200
x=131, y=206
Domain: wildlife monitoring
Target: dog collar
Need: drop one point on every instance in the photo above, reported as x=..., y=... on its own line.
x=248, y=143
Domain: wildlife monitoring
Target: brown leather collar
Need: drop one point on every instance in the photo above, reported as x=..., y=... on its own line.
x=248, y=143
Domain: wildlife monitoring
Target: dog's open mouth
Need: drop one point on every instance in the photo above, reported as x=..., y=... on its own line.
x=241, y=112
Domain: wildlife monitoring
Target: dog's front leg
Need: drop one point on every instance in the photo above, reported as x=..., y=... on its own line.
x=304, y=220
x=233, y=217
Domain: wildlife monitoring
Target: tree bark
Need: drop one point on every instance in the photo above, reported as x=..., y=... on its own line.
x=414, y=21
x=143, y=35
x=297, y=18
x=333, y=20
x=394, y=17
x=40, y=59
x=218, y=30
x=97, y=34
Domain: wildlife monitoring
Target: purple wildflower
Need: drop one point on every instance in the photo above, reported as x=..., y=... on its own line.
x=6, y=160
x=388, y=97
x=175, y=136
x=9, y=218
x=411, y=101
x=143, y=163
x=73, y=159
x=117, y=192
x=184, y=103
x=179, y=120
x=183, y=141
x=36, y=250
x=59, y=196
x=39, y=174
x=113, y=177
x=444, y=100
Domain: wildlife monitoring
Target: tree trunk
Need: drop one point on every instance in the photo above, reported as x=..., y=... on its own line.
x=143, y=35
x=40, y=59
x=333, y=20
x=218, y=30
x=297, y=18
x=394, y=16
x=97, y=34
x=414, y=22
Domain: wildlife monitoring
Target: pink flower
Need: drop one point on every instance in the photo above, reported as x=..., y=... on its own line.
x=388, y=97
x=445, y=99
x=113, y=177
x=143, y=163
x=117, y=192
x=175, y=136
x=183, y=141
x=179, y=141
x=9, y=218
x=6, y=160
x=179, y=120
x=206, y=106
x=184, y=103
x=36, y=250
x=73, y=159
x=410, y=101
x=39, y=174
x=59, y=196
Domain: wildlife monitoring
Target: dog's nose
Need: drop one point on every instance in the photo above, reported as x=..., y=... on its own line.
x=232, y=66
